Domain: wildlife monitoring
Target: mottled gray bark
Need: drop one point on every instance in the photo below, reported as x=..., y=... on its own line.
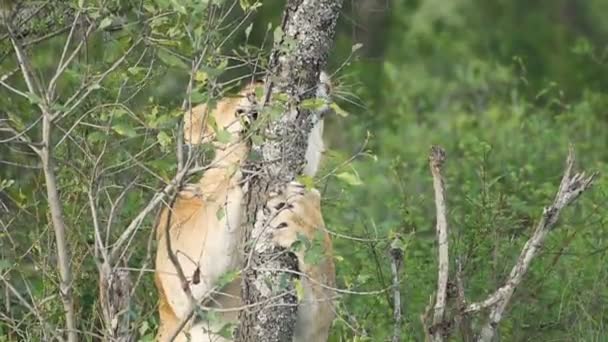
x=308, y=30
x=115, y=299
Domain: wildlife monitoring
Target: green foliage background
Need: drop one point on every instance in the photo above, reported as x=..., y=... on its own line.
x=504, y=86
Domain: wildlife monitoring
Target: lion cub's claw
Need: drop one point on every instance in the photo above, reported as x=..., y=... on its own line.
x=285, y=210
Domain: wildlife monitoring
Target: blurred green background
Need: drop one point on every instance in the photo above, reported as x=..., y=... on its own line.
x=504, y=86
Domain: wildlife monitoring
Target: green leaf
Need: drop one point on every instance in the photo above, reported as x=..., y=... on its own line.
x=314, y=253
x=4, y=265
x=227, y=331
x=16, y=121
x=248, y=30
x=299, y=290
x=313, y=104
x=105, y=23
x=34, y=99
x=356, y=47
x=278, y=34
x=227, y=278
x=200, y=76
x=197, y=97
x=6, y=183
x=95, y=137
x=220, y=214
x=281, y=97
x=259, y=92
x=125, y=130
x=350, y=178
x=144, y=328
x=94, y=86
x=179, y=7
x=274, y=111
x=338, y=110
x=119, y=112
x=223, y=136
x=163, y=139
x=307, y=181
x=170, y=59
x=283, y=281
x=582, y=47
x=255, y=155
x=244, y=4
x=302, y=243
x=257, y=140
x=135, y=70
x=59, y=107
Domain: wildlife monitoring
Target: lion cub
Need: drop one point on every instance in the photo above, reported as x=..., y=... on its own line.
x=205, y=231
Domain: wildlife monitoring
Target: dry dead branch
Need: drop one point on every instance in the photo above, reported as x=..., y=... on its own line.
x=396, y=252
x=438, y=330
x=571, y=187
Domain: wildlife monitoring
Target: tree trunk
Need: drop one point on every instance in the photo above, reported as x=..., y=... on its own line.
x=306, y=36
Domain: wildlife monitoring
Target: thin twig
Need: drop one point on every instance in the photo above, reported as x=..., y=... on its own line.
x=178, y=267
x=32, y=309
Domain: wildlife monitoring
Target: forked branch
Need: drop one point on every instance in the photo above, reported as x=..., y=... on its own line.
x=570, y=188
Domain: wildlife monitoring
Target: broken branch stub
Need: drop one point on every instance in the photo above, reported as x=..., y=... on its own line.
x=440, y=326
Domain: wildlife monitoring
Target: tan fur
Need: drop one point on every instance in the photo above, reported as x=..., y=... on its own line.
x=301, y=214
x=205, y=228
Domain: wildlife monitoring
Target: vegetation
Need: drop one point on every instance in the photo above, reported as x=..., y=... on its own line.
x=503, y=86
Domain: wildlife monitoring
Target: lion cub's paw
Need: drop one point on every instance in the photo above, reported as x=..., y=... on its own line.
x=287, y=214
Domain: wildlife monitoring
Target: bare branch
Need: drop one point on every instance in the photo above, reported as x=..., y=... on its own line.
x=19, y=136
x=151, y=206
x=396, y=253
x=99, y=245
x=54, y=202
x=86, y=89
x=438, y=329
x=24, y=65
x=63, y=63
x=178, y=268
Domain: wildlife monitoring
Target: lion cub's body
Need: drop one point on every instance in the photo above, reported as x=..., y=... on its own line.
x=205, y=232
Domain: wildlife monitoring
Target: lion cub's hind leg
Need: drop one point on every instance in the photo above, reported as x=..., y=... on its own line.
x=296, y=216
